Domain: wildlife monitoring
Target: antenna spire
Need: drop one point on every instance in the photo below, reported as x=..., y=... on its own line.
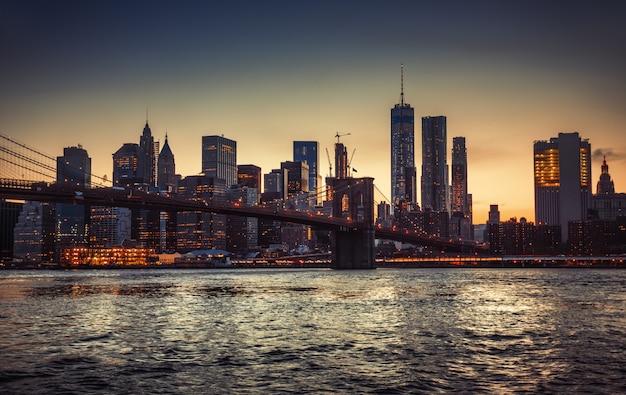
x=401, y=84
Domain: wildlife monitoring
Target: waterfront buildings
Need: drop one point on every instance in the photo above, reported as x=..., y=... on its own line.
x=403, y=173
x=198, y=230
x=219, y=158
x=242, y=232
x=9, y=214
x=34, y=233
x=562, y=173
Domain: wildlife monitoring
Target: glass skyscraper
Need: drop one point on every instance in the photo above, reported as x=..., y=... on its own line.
x=434, y=164
x=562, y=180
x=308, y=151
x=402, y=151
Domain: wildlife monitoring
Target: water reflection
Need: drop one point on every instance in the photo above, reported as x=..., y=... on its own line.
x=248, y=331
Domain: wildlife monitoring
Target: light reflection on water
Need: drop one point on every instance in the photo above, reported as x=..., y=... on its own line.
x=260, y=331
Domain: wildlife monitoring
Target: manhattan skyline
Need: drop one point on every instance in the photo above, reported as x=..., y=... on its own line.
x=265, y=75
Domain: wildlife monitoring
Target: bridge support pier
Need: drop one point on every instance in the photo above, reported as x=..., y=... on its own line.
x=353, y=249
x=353, y=246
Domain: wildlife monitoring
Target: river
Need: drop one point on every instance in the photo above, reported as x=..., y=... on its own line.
x=259, y=331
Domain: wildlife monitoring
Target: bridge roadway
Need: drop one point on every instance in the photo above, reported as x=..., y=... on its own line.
x=117, y=197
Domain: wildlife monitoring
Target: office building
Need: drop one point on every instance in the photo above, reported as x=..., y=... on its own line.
x=308, y=152
x=250, y=176
x=197, y=230
x=435, y=186
x=242, y=232
x=34, y=233
x=562, y=173
x=606, y=204
x=147, y=158
x=461, y=219
x=9, y=214
x=72, y=220
x=403, y=183
x=167, y=179
x=297, y=175
x=219, y=158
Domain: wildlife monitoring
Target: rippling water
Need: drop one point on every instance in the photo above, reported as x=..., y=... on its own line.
x=316, y=331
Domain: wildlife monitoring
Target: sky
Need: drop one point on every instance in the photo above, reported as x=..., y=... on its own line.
x=504, y=73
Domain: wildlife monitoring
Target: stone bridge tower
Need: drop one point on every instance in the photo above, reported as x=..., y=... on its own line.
x=353, y=246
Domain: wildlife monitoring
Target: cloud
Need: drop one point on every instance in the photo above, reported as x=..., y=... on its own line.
x=601, y=153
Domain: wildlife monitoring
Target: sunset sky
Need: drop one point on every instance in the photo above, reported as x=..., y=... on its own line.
x=505, y=73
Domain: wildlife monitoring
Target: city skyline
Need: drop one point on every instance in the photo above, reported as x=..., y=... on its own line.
x=504, y=75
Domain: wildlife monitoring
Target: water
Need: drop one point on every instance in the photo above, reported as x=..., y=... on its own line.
x=316, y=331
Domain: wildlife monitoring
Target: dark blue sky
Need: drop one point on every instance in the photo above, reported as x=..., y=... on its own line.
x=73, y=71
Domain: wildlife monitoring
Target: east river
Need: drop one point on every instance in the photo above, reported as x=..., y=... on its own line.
x=260, y=331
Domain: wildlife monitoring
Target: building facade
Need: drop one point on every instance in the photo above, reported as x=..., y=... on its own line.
x=434, y=182
x=461, y=218
x=166, y=168
x=219, y=158
x=403, y=183
x=308, y=152
x=562, y=173
x=72, y=220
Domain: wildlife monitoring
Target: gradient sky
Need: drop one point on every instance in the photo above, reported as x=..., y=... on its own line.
x=505, y=73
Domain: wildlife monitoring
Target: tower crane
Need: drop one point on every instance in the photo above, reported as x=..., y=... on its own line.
x=330, y=164
x=340, y=135
x=350, y=169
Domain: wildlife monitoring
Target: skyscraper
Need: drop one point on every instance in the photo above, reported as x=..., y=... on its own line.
x=166, y=168
x=146, y=158
x=308, y=151
x=219, y=158
x=562, y=180
x=434, y=164
x=403, y=186
x=250, y=176
x=73, y=168
x=461, y=201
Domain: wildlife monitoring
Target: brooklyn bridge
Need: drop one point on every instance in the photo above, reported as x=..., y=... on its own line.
x=353, y=231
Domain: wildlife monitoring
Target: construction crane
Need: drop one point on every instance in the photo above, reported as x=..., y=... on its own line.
x=330, y=164
x=350, y=163
x=340, y=135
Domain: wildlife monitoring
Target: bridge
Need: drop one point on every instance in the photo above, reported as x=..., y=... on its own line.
x=353, y=231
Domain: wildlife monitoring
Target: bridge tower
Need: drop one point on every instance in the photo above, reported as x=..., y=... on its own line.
x=353, y=246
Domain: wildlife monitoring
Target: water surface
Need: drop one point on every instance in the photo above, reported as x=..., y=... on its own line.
x=317, y=331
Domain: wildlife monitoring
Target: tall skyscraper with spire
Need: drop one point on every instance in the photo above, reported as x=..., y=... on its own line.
x=166, y=168
x=402, y=151
x=435, y=189
x=146, y=158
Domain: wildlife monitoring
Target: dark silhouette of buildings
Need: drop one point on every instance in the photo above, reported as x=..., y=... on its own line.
x=72, y=220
